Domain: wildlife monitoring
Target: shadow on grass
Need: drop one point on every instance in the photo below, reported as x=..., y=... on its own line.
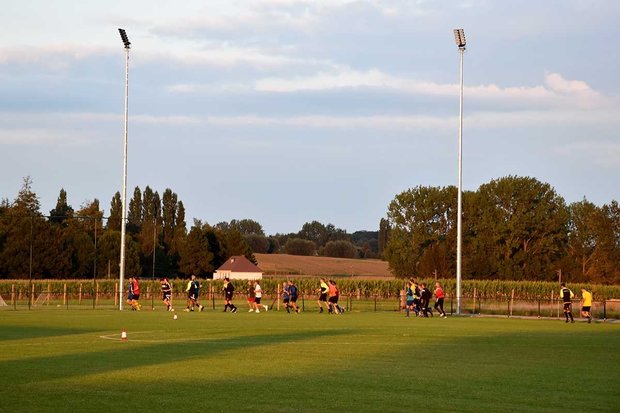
x=128, y=356
x=21, y=332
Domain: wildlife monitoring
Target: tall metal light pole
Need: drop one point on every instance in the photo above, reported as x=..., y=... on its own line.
x=127, y=45
x=459, y=37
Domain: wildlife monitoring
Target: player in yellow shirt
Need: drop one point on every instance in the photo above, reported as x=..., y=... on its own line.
x=586, y=305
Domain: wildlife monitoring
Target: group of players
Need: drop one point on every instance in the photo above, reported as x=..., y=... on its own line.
x=418, y=298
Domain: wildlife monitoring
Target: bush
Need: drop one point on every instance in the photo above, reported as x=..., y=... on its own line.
x=298, y=246
x=340, y=249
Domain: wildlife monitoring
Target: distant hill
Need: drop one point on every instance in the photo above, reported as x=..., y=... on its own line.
x=284, y=264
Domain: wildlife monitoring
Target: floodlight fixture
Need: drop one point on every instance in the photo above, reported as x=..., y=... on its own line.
x=124, y=38
x=459, y=38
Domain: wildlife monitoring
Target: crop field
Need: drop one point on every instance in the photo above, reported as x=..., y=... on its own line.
x=74, y=360
x=284, y=264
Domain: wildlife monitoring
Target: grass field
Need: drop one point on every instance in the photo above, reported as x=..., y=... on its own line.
x=74, y=361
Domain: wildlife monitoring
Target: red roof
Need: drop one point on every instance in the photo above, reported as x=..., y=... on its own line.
x=239, y=263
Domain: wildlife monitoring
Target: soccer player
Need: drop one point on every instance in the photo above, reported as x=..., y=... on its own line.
x=409, y=295
x=258, y=295
x=286, y=297
x=229, y=290
x=294, y=294
x=130, y=293
x=439, y=297
x=324, y=289
x=425, y=299
x=134, y=294
x=166, y=293
x=193, y=292
x=586, y=305
x=333, y=298
x=251, y=297
x=566, y=295
x=416, y=297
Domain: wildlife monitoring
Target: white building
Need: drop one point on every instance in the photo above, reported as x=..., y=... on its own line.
x=238, y=268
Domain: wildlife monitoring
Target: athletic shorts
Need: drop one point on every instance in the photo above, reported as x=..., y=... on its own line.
x=251, y=299
x=585, y=308
x=323, y=297
x=130, y=297
x=293, y=299
x=285, y=300
x=409, y=303
x=193, y=296
x=136, y=297
x=333, y=300
x=229, y=297
x=567, y=306
x=258, y=300
x=166, y=296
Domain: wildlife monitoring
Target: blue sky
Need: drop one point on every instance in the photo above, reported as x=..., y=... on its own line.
x=288, y=111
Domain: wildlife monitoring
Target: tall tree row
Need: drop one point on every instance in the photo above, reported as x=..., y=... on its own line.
x=83, y=244
x=513, y=228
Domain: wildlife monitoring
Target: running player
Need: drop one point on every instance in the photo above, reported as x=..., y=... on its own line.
x=130, y=299
x=409, y=295
x=566, y=295
x=586, y=305
x=416, y=297
x=229, y=290
x=258, y=295
x=333, y=298
x=294, y=294
x=166, y=293
x=425, y=299
x=439, y=297
x=286, y=297
x=251, y=297
x=193, y=292
x=324, y=289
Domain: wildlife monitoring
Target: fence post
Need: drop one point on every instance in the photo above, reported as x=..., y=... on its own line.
x=13, y=303
x=604, y=310
x=212, y=295
x=80, y=295
x=32, y=294
x=96, y=302
x=48, y=294
x=538, y=307
x=473, y=310
x=350, y=301
x=64, y=296
x=278, y=296
x=512, y=300
x=375, y=303
x=303, y=302
x=451, y=304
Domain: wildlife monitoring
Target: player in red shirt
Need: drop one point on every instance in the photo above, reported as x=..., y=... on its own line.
x=439, y=296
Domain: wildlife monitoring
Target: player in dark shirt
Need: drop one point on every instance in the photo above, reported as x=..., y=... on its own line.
x=229, y=290
x=166, y=293
x=293, y=295
x=567, y=298
x=425, y=299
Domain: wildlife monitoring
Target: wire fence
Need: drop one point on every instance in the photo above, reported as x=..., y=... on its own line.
x=87, y=296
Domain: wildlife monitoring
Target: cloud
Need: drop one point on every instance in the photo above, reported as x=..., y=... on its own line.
x=556, y=90
x=604, y=154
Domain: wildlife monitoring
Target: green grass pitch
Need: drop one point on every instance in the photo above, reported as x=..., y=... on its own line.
x=74, y=361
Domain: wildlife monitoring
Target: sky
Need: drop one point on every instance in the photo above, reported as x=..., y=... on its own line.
x=287, y=111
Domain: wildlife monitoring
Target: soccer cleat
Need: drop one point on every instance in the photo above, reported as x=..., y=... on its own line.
x=266, y=308
x=251, y=310
x=258, y=311
x=234, y=310
x=202, y=307
x=186, y=310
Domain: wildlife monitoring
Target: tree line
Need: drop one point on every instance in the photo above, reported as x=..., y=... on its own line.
x=83, y=243
x=515, y=228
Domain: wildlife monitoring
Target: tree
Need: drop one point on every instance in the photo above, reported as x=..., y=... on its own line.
x=384, y=234
x=134, y=216
x=526, y=222
x=298, y=246
x=195, y=256
x=259, y=244
x=340, y=249
x=62, y=211
x=116, y=210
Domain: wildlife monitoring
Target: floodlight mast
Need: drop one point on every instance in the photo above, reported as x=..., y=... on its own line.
x=127, y=45
x=459, y=37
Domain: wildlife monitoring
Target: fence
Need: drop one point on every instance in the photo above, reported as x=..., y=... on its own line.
x=58, y=295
